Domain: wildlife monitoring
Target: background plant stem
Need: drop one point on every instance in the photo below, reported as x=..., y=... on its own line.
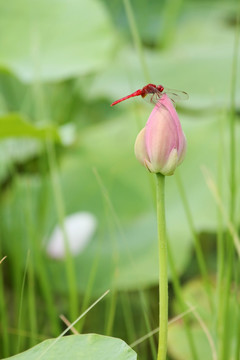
x=136, y=38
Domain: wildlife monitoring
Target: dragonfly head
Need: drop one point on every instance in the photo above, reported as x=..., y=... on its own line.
x=160, y=88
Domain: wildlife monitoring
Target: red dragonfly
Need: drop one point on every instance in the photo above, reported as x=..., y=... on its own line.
x=155, y=92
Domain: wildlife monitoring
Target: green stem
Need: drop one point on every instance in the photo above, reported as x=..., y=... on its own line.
x=3, y=315
x=136, y=38
x=21, y=304
x=226, y=343
x=147, y=323
x=168, y=30
x=128, y=316
x=32, y=303
x=237, y=351
x=221, y=249
x=70, y=266
x=163, y=276
x=111, y=312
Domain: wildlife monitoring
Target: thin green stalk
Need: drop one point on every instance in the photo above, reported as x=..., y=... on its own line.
x=237, y=351
x=47, y=293
x=35, y=235
x=13, y=211
x=32, y=311
x=163, y=275
x=147, y=323
x=168, y=25
x=198, y=249
x=136, y=38
x=220, y=248
x=178, y=293
x=21, y=304
x=220, y=285
x=3, y=316
x=225, y=340
x=233, y=193
x=40, y=113
x=70, y=270
x=127, y=314
x=111, y=313
x=87, y=292
x=232, y=123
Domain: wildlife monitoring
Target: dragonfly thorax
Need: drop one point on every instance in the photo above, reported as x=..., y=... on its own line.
x=151, y=89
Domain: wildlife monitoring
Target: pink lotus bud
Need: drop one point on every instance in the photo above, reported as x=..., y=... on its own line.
x=161, y=145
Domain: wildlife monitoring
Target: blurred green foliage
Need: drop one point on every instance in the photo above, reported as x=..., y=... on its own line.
x=61, y=65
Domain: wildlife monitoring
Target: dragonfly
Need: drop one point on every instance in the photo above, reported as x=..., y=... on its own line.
x=154, y=94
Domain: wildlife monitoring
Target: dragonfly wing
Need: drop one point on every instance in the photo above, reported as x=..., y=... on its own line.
x=156, y=97
x=153, y=99
x=176, y=95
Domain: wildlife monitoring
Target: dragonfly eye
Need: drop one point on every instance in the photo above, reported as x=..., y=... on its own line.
x=160, y=88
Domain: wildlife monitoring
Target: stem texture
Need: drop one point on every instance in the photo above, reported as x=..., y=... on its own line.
x=163, y=276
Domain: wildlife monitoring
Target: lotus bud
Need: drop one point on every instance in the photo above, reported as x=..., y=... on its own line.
x=161, y=144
